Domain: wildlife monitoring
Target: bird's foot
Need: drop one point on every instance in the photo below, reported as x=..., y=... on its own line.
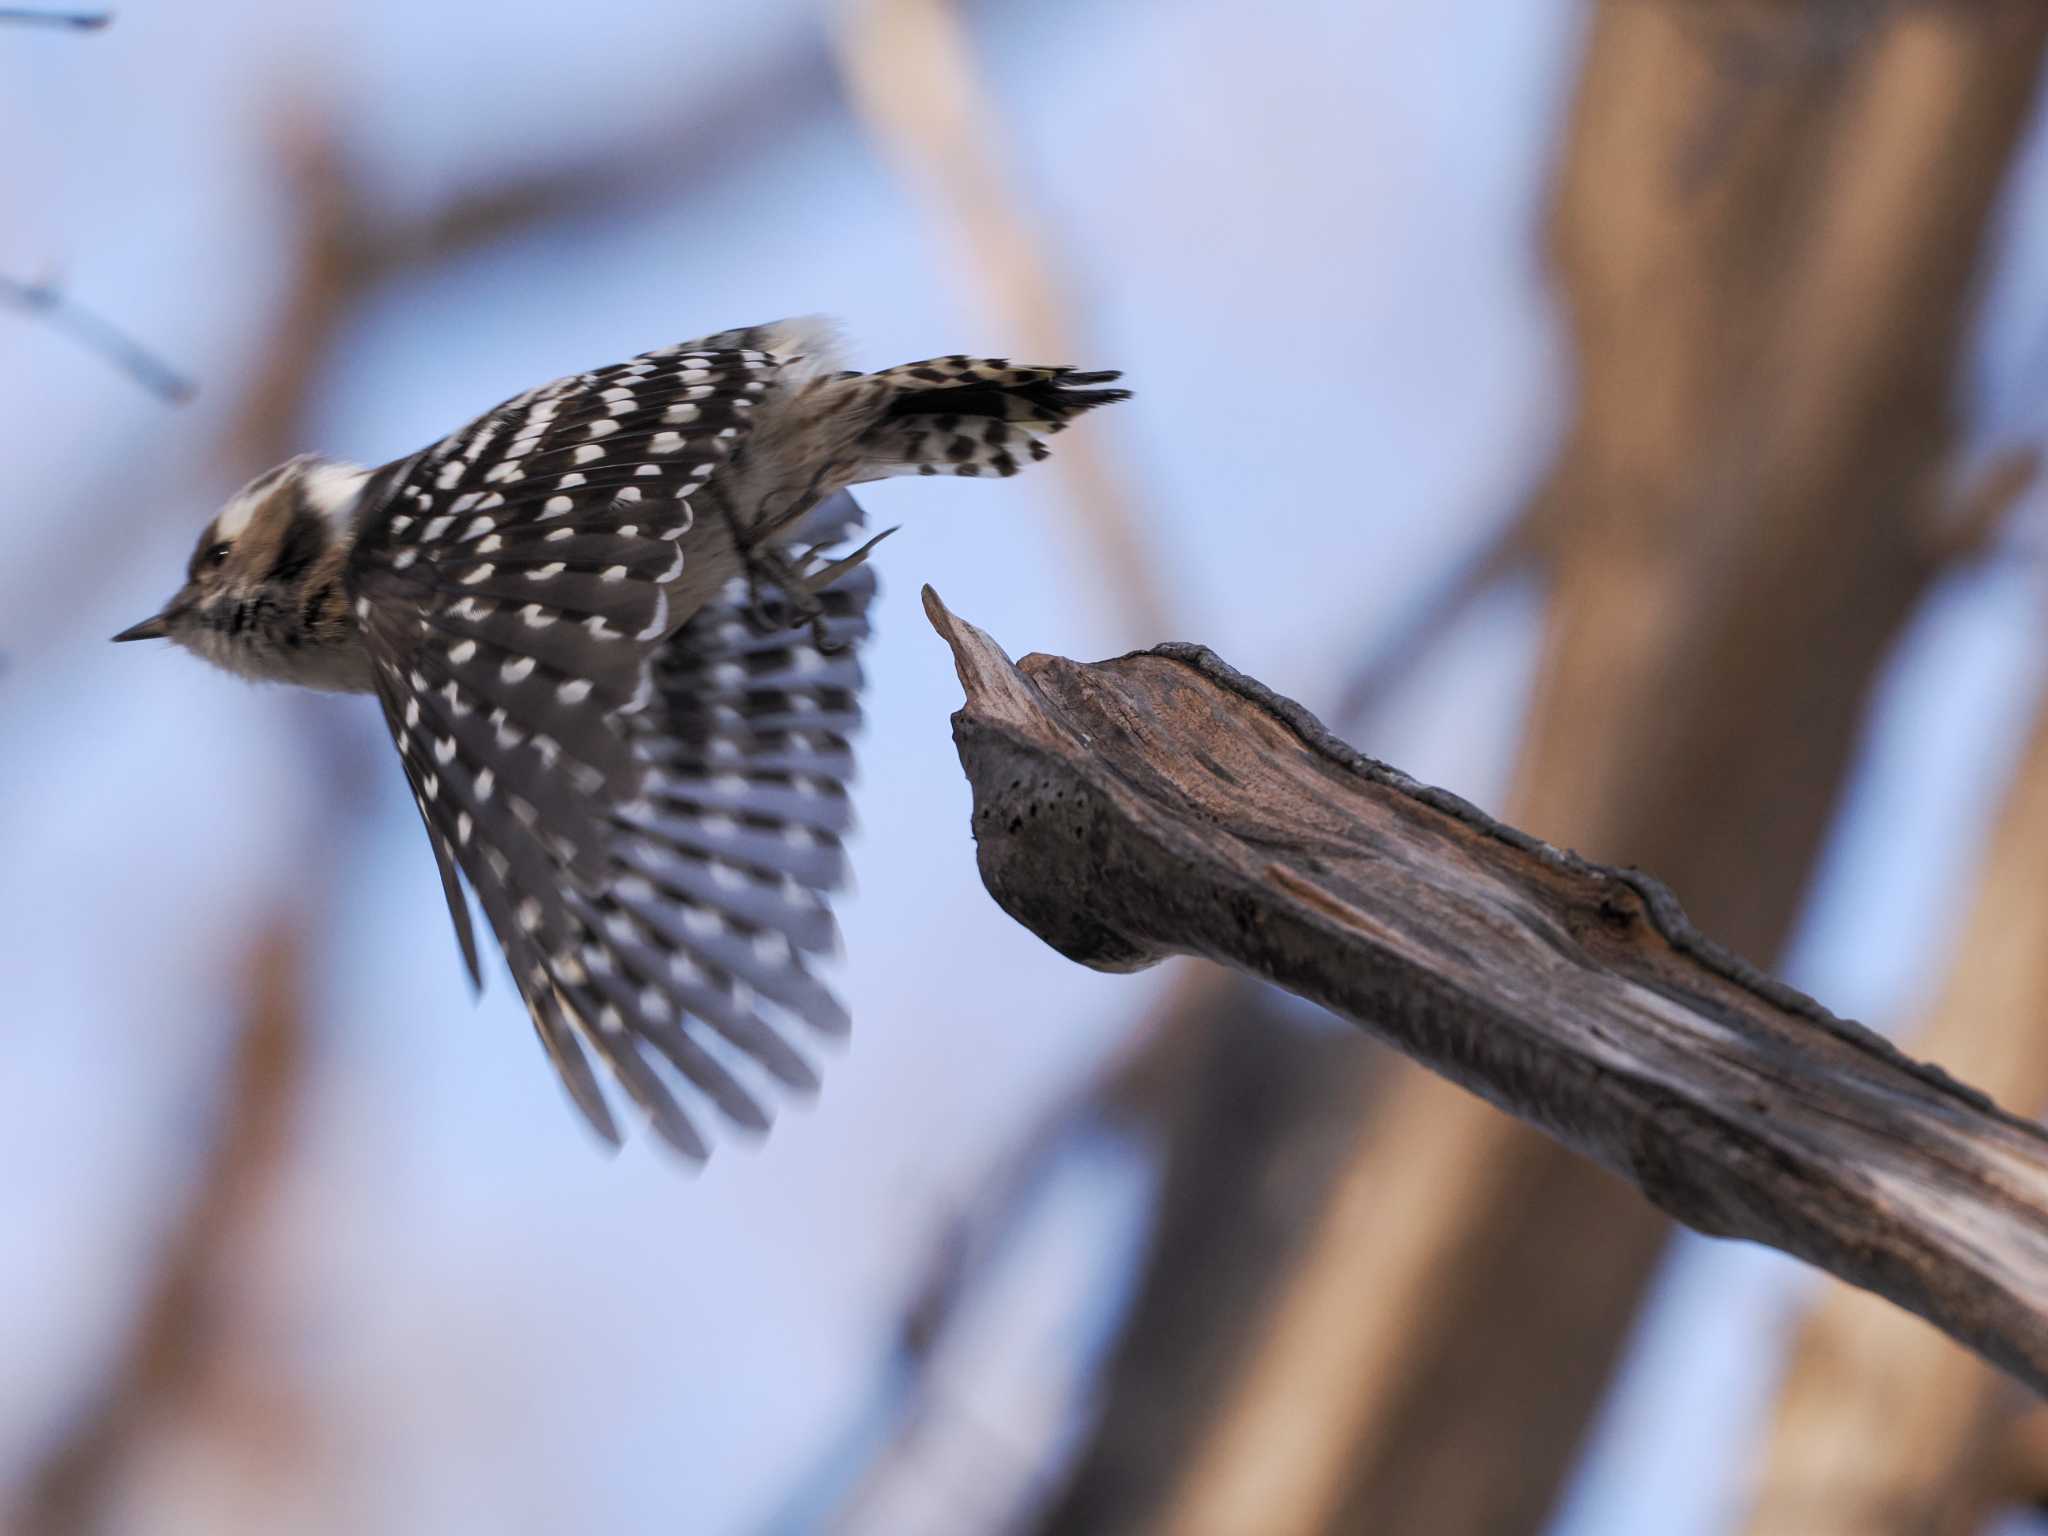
x=783, y=588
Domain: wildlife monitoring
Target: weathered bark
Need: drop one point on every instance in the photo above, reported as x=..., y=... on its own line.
x=1163, y=804
x=1768, y=247
x=1883, y=1428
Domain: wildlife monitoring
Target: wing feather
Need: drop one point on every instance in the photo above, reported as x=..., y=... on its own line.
x=646, y=794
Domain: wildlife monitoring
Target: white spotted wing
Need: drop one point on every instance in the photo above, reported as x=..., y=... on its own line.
x=650, y=862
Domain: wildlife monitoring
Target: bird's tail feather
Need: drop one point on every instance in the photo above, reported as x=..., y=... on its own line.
x=974, y=416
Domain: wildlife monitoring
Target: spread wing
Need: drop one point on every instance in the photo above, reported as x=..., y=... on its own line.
x=515, y=588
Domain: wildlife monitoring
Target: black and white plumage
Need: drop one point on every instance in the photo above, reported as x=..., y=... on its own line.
x=620, y=679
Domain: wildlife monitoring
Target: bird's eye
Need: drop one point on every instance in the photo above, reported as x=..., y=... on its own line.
x=210, y=557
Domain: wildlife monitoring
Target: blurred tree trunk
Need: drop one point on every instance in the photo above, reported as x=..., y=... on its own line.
x=1882, y=1427
x=1768, y=250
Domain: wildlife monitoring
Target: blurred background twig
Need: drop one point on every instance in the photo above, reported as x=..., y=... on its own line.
x=99, y=334
x=78, y=21
x=1880, y=1425
x=911, y=76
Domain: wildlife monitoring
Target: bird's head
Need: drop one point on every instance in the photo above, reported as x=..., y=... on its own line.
x=261, y=572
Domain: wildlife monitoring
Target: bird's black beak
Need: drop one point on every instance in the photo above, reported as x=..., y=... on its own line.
x=156, y=627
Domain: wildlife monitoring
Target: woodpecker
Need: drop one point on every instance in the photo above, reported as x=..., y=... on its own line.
x=620, y=670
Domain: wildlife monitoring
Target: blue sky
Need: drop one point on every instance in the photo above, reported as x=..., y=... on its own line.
x=1310, y=242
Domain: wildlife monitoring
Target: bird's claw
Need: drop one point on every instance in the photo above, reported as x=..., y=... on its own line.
x=783, y=591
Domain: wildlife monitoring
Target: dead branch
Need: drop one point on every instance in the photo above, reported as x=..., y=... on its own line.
x=1164, y=804
x=1256, y=1120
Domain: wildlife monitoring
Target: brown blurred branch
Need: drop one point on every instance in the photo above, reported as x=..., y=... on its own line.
x=1744, y=516
x=179, y=1340
x=1970, y=528
x=1881, y=1425
x=344, y=249
x=1206, y=1084
x=1164, y=804
x=1219, y=1082
x=182, y=1359
x=2022, y=1465
x=347, y=247
x=911, y=76
x=179, y=1323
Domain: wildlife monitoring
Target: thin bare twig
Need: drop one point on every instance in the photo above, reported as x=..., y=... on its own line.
x=75, y=21
x=99, y=335
x=1972, y=522
x=1512, y=548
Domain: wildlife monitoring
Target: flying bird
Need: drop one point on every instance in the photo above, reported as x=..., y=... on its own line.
x=621, y=673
